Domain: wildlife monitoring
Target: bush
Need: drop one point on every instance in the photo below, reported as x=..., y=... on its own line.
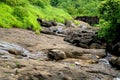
x=110, y=19
x=7, y=20
x=24, y=13
x=77, y=7
x=14, y=2
x=41, y=3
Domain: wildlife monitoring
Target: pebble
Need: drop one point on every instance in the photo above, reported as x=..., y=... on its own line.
x=77, y=63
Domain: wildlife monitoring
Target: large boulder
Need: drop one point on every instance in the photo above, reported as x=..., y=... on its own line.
x=115, y=61
x=114, y=50
x=85, y=38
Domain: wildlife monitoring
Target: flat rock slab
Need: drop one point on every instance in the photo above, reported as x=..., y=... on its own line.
x=15, y=42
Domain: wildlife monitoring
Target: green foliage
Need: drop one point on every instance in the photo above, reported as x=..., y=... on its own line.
x=110, y=19
x=55, y=14
x=7, y=20
x=24, y=13
x=76, y=22
x=77, y=7
x=41, y=3
x=14, y=2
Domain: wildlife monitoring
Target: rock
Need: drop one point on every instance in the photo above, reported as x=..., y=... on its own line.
x=47, y=31
x=95, y=46
x=104, y=61
x=67, y=78
x=77, y=63
x=114, y=50
x=45, y=23
x=56, y=55
x=75, y=67
x=54, y=30
x=116, y=79
x=85, y=39
x=69, y=23
x=12, y=49
x=15, y=51
x=115, y=62
x=89, y=19
x=53, y=23
x=39, y=20
x=60, y=24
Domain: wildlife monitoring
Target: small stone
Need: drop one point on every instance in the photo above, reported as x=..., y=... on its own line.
x=77, y=63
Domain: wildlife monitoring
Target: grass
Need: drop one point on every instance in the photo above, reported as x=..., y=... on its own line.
x=24, y=13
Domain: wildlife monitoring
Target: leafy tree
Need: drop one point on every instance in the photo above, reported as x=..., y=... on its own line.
x=110, y=20
x=77, y=7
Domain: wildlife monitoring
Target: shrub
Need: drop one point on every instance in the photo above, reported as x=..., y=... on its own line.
x=7, y=20
x=110, y=19
x=24, y=13
x=14, y=2
x=41, y=3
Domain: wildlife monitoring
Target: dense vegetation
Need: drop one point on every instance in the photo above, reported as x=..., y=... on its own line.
x=77, y=7
x=24, y=13
x=110, y=20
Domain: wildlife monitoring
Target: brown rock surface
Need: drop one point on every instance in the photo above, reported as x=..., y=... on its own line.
x=80, y=64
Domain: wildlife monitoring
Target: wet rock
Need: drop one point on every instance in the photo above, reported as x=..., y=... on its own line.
x=104, y=61
x=2, y=52
x=75, y=67
x=12, y=49
x=114, y=50
x=56, y=55
x=116, y=79
x=115, y=62
x=38, y=55
x=57, y=30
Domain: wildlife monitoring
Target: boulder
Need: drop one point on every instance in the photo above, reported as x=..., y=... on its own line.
x=45, y=23
x=114, y=50
x=56, y=54
x=85, y=38
x=54, y=30
x=15, y=51
x=115, y=62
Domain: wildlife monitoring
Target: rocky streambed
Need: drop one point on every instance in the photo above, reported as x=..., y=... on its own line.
x=27, y=56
